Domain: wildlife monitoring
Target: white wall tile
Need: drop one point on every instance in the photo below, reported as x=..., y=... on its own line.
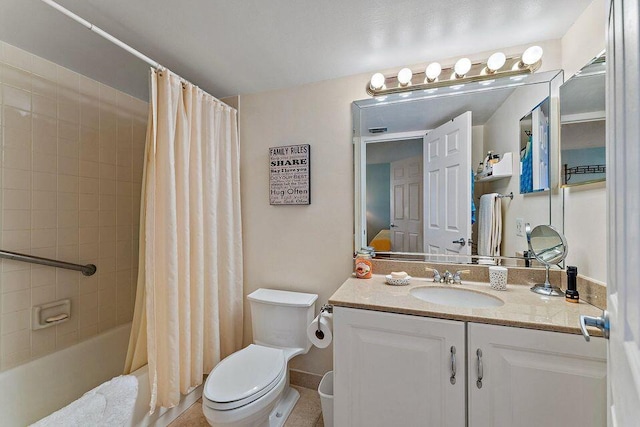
x=71, y=148
x=17, y=280
x=44, y=219
x=16, y=77
x=14, y=118
x=17, y=57
x=15, y=321
x=18, y=138
x=16, y=98
x=16, y=220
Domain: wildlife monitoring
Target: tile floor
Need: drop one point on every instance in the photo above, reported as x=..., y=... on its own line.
x=306, y=413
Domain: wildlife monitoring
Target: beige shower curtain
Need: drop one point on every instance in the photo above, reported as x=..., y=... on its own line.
x=188, y=312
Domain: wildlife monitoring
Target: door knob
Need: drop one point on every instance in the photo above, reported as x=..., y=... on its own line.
x=460, y=241
x=601, y=323
x=392, y=225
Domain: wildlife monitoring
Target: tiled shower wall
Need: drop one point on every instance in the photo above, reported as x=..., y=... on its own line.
x=72, y=157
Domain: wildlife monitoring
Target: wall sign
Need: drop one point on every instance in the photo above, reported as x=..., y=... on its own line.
x=290, y=175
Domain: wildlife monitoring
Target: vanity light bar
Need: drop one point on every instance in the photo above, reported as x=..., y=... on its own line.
x=463, y=72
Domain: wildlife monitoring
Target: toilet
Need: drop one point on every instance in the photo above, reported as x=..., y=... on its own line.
x=251, y=386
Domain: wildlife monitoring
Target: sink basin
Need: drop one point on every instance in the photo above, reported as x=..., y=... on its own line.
x=455, y=297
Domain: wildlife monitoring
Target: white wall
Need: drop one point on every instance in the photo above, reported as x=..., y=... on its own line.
x=585, y=39
x=308, y=248
x=585, y=207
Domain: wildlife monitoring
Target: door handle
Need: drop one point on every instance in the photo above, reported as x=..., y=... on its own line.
x=480, y=371
x=601, y=322
x=392, y=225
x=452, y=379
x=460, y=241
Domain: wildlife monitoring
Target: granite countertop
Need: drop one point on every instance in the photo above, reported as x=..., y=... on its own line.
x=522, y=308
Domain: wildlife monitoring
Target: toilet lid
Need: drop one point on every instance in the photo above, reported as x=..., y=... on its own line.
x=245, y=375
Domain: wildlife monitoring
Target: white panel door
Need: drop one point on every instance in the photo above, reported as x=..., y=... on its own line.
x=623, y=205
x=447, y=177
x=395, y=370
x=535, y=378
x=406, y=205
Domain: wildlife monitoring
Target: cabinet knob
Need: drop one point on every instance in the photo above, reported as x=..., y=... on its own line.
x=480, y=369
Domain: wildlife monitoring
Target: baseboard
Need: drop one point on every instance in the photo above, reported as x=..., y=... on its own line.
x=304, y=379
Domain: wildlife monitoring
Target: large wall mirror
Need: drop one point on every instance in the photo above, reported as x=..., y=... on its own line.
x=582, y=117
x=416, y=155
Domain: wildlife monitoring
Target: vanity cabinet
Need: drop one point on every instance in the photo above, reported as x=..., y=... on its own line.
x=535, y=378
x=395, y=370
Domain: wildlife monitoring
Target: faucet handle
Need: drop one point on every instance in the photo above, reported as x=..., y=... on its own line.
x=436, y=274
x=456, y=276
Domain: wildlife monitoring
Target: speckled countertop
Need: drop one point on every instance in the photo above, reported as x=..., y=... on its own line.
x=522, y=308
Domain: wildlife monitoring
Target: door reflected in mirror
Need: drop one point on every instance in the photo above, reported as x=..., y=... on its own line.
x=415, y=155
x=394, y=195
x=534, y=149
x=583, y=125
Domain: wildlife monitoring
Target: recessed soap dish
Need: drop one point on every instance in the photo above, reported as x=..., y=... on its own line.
x=52, y=313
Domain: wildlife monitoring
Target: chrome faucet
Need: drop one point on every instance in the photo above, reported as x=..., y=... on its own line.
x=456, y=277
x=448, y=277
x=436, y=275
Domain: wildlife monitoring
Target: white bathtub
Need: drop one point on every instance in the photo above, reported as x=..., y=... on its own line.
x=32, y=391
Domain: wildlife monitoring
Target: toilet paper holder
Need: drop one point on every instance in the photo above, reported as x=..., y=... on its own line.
x=326, y=308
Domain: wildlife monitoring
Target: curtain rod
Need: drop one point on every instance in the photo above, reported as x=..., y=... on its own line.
x=102, y=33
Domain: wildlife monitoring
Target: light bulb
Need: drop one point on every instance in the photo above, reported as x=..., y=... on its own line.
x=433, y=71
x=532, y=55
x=496, y=61
x=462, y=67
x=404, y=76
x=377, y=81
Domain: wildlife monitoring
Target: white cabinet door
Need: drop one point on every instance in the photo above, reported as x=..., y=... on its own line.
x=535, y=378
x=394, y=370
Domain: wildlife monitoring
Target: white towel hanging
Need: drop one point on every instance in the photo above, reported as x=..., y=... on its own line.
x=490, y=225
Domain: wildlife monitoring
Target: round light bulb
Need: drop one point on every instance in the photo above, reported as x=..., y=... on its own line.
x=462, y=67
x=433, y=71
x=532, y=55
x=377, y=81
x=404, y=76
x=496, y=61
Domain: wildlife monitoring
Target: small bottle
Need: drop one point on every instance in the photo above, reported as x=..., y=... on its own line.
x=572, y=294
x=364, y=268
x=480, y=168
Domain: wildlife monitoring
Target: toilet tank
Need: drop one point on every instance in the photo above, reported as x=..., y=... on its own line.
x=280, y=318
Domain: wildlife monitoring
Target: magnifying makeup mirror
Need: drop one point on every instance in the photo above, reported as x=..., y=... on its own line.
x=548, y=246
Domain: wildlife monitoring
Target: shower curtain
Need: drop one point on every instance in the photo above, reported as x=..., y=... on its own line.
x=188, y=311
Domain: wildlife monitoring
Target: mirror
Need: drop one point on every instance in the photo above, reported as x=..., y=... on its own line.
x=416, y=157
x=534, y=149
x=548, y=246
x=583, y=123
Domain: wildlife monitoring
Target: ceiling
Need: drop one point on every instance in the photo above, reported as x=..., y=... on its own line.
x=430, y=112
x=244, y=46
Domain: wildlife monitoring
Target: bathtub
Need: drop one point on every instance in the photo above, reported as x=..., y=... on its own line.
x=32, y=391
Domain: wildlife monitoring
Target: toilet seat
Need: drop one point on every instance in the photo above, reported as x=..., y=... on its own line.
x=244, y=377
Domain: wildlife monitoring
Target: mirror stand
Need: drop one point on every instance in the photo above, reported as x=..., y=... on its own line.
x=546, y=288
x=550, y=247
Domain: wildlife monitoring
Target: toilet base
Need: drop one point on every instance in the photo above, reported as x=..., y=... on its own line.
x=283, y=409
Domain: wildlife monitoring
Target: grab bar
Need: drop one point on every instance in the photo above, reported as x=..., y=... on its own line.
x=87, y=270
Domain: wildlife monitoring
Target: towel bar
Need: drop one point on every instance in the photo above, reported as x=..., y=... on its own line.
x=87, y=270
